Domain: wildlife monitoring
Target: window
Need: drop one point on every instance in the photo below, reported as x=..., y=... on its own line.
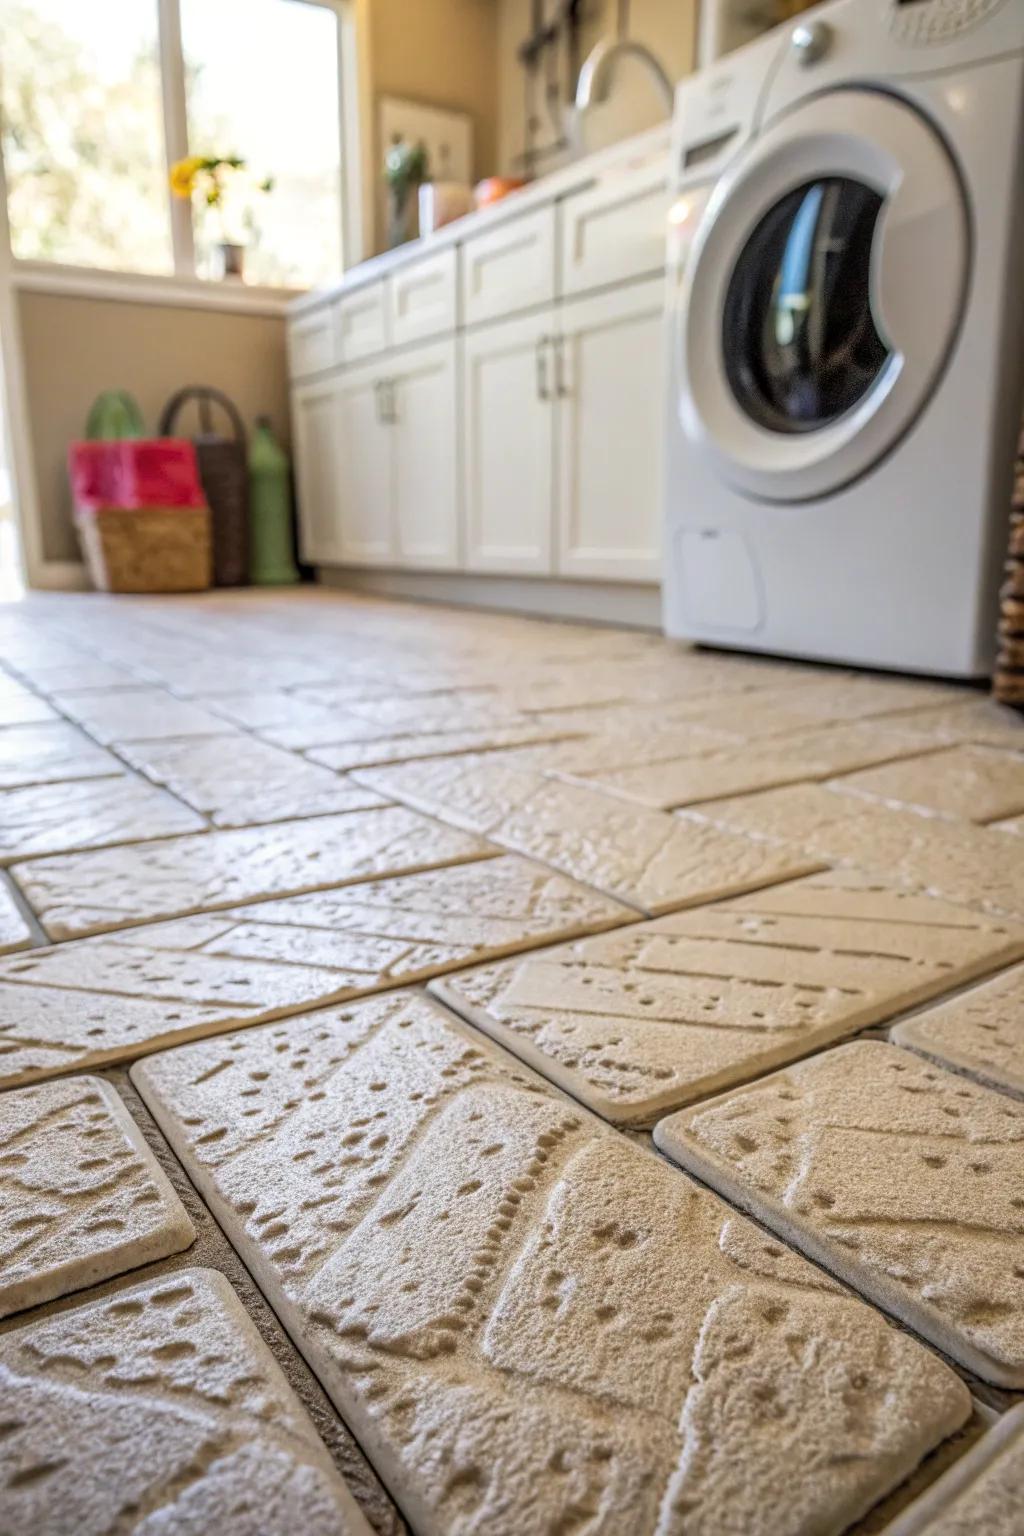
x=85, y=95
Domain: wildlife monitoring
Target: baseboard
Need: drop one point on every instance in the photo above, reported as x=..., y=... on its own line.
x=635, y=604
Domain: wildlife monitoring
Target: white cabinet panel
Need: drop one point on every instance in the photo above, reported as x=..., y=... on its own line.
x=507, y=427
x=365, y=470
x=609, y=382
x=362, y=323
x=311, y=343
x=315, y=439
x=421, y=298
x=424, y=435
x=509, y=268
x=616, y=230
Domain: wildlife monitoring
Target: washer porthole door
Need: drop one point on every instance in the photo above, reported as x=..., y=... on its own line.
x=824, y=294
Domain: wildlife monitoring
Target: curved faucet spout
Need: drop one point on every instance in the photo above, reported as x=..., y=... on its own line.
x=596, y=74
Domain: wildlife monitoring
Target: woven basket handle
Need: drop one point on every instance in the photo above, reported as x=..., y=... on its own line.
x=207, y=397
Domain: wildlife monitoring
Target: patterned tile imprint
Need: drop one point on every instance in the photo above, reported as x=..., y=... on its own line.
x=94, y=892
x=641, y=1021
x=528, y=1321
x=653, y=861
x=114, y=998
x=83, y=1197
x=978, y=1032
x=160, y=1409
x=44, y=819
x=904, y=1180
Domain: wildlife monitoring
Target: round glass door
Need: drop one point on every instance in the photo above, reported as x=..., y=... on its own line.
x=800, y=343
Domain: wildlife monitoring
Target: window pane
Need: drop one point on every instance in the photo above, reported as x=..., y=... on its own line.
x=83, y=133
x=262, y=84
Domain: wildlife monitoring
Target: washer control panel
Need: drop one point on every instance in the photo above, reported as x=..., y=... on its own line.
x=936, y=21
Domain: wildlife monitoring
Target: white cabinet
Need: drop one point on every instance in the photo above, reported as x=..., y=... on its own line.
x=510, y=267
x=424, y=428
x=610, y=407
x=507, y=442
x=615, y=230
x=311, y=343
x=365, y=471
x=317, y=473
x=421, y=298
x=362, y=323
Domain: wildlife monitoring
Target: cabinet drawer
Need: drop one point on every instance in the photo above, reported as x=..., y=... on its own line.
x=311, y=343
x=421, y=298
x=362, y=323
x=509, y=268
x=615, y=230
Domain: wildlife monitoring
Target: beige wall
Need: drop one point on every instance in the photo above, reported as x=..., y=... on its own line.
x=667, y=27
x=75, y=347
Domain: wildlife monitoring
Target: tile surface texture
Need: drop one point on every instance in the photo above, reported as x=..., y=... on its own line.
x=981, y=1493
x=980, y=866
x=77, y=894
x=528, y=1321
x=139, y=715
x=159, y=1409
x=240, y=782
x=980, y=1032
x=641, y=1021
x=83, y=1197
x=653, y=861
x=114, y=998
x=51, y=754
x=15, y=932
x=90, y=813
x=967, y=783
x=903, y=1179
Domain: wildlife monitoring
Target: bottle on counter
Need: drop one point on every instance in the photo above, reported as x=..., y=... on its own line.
x=271, y=541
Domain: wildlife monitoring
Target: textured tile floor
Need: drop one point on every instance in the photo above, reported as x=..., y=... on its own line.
x=620, y=861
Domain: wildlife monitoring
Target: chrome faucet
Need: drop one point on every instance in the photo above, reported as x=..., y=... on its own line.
x=596, y=73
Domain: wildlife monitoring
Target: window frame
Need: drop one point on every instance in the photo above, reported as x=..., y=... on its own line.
x=183, y=279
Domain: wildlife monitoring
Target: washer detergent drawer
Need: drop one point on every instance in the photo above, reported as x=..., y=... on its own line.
x=716, y=580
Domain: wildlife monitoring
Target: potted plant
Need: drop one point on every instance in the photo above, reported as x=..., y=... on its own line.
x=405, y=167
x=222, y=185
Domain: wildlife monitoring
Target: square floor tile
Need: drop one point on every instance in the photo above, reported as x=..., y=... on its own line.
x=980, y=1032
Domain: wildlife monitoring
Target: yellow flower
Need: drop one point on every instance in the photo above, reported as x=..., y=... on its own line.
x=183, y=175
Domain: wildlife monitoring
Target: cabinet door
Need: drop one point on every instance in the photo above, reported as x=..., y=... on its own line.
x=421, y=298
x=615, y=231
x=365, y=479
x=315, y=439
x=425, y=456
x=509, y=267
x=311, y=343
x=508, y=441
x=611, y=401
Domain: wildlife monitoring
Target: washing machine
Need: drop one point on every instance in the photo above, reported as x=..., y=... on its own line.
x=846, y=336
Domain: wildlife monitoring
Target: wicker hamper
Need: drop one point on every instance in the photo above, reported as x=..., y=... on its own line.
x=224, y=473
x=147, y=549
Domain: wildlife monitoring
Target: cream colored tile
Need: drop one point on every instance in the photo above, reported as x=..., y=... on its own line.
x=652, y=861
x=51, y=754
x=111, y=999
x=904, y=1180
x=980, y=1493
x=20, y=707
x=83, y=1196
x=160, y=1409
x=641, y=1021
x=15, y=932
x=433, y=715
x=967, y=783
x=94, y=892
x=819, y=700
x=979, y=866
x=978, y=1032
x=239, y=782
x=141, y=714
x=76, y=676
x=689, y=779
x=972, y=719
x=90, y=813
x=424, y=744
x=609, y=1341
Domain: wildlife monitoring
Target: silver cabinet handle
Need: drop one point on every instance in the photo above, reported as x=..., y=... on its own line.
x=543, y=389
x=561, y=381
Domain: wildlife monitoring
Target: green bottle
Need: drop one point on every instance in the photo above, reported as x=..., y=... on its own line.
x=271, y=556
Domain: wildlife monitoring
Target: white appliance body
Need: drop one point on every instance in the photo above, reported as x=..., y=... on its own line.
x=846, y=336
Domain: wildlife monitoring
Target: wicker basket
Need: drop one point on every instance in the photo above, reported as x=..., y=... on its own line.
x=1008, y=679
x=224, y=471
x=149, y=549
